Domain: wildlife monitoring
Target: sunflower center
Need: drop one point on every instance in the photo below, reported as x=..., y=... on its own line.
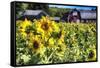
x=91, y=54
x=35, y=44
x=45, y=26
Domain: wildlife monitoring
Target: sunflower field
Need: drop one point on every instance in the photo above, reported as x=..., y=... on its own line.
x=45, y=41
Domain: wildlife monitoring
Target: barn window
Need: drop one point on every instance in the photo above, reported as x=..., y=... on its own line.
x=75, y=13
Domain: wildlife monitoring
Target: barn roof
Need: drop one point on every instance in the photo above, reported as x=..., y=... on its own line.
x=33, y=12
x=88, y=14
x=56, y=18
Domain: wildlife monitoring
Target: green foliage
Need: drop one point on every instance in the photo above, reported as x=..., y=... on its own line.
x=57, y=12
x=52, y=11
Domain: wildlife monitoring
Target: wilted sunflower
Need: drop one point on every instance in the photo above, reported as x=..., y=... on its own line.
x=36, y=45
x=61, y=36
x=92, y=55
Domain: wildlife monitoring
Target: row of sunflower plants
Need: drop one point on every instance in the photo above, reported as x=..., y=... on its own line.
x=45, y=41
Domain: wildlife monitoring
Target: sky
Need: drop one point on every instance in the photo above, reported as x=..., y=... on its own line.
x=72, y=7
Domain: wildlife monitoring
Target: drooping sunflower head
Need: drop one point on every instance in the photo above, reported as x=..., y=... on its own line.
x=60, y=43
x=36, y=44
x=61, y=50
x=61, y=36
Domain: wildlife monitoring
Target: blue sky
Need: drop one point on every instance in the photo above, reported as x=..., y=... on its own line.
x=72, y=7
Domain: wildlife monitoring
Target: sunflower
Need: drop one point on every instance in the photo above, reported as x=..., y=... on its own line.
x=55, y=27
x=25, y=23
x=61, y=49
x=59, y=38
x=92, y=55
x=23, y=34
x=51, y=43
x=22, y=27
x=45, y=26
x=36, y=45
x=60, y=43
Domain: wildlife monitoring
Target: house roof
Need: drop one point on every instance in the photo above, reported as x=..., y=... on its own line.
x=33, y=12
x=88, y=14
